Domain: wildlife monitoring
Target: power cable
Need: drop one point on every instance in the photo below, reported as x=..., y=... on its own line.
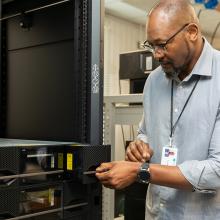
x=214, y=33
x=122, y=129
x=199, y=13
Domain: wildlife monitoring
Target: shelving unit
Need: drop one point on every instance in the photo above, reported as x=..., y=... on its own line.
x=118, y=110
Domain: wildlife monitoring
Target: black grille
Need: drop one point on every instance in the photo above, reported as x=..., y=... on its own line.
x=92, y=157
x=9, y=160
x=9, y=200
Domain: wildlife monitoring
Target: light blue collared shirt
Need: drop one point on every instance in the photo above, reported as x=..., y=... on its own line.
x=197, y=137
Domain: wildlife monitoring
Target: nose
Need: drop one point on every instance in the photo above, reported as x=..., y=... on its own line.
x=158, y=55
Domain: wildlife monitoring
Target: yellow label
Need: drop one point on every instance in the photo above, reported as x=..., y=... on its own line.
x=69, y=161
x=60, y=160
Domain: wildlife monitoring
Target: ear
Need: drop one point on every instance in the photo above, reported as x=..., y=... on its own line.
x=192, y=31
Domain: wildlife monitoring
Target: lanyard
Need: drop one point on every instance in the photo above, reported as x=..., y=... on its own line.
x=173, y=127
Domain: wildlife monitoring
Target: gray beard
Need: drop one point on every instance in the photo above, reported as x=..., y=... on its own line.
x=173, y=76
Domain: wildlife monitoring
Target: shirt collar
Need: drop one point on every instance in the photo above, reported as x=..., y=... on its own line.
x=203, y=66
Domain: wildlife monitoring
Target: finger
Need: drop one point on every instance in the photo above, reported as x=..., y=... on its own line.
x=104, y=167
x=130, y=156
x=127, y=158
x=103, y=176
x=147, y=152
x=133, y=152
x=144, y=149
x=133, y=149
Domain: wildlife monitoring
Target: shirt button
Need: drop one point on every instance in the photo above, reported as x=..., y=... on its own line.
x=175, y=110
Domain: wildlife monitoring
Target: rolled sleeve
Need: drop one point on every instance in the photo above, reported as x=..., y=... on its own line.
x=142, y=133
x=206, y=174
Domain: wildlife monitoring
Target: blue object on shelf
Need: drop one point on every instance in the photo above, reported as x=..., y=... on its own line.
x=200, y=1
x=211, y=4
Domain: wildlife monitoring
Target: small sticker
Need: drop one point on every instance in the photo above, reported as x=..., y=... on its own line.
x=95, y=78
x=60, y=160
x=69, y=161
x=52, y=162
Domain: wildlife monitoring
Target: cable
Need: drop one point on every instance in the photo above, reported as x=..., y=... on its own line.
x=119, y=86
x=122, y=129
x=132, y=126
x=199, y=13
x=214, y=33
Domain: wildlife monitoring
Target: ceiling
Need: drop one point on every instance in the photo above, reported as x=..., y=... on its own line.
x=136, y=11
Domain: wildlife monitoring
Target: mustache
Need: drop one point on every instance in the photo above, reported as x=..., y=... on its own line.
x=164, y=62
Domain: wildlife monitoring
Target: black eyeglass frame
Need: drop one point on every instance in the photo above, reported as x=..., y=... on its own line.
x=162, y=46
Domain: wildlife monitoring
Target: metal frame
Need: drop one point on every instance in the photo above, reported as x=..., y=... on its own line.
x=96, y=72
x=88, y=38
x=122, y=110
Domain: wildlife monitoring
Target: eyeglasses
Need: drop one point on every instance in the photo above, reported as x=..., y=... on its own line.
x=161, y=47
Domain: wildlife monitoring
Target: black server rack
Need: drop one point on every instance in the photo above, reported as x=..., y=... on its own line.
x=52, y=70
x=44, y=179
x=51, y=88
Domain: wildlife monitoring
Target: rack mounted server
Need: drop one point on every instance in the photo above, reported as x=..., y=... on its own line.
x=45, y=180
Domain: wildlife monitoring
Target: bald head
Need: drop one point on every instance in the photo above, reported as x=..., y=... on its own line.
x=174, y=12
x=174, y=24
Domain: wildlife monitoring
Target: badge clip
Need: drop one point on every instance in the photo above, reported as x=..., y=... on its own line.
x=170, y=141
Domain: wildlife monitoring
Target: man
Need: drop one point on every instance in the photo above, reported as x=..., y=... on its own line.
x=179, y=135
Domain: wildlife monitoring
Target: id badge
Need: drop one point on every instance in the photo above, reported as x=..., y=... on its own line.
x=169, y=156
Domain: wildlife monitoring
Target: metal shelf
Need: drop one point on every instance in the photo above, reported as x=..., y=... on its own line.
x=118, y=110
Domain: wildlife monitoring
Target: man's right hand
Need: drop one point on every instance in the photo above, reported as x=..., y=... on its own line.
x=138, y=151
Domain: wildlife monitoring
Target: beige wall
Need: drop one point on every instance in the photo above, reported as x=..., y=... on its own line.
x=119, y=36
